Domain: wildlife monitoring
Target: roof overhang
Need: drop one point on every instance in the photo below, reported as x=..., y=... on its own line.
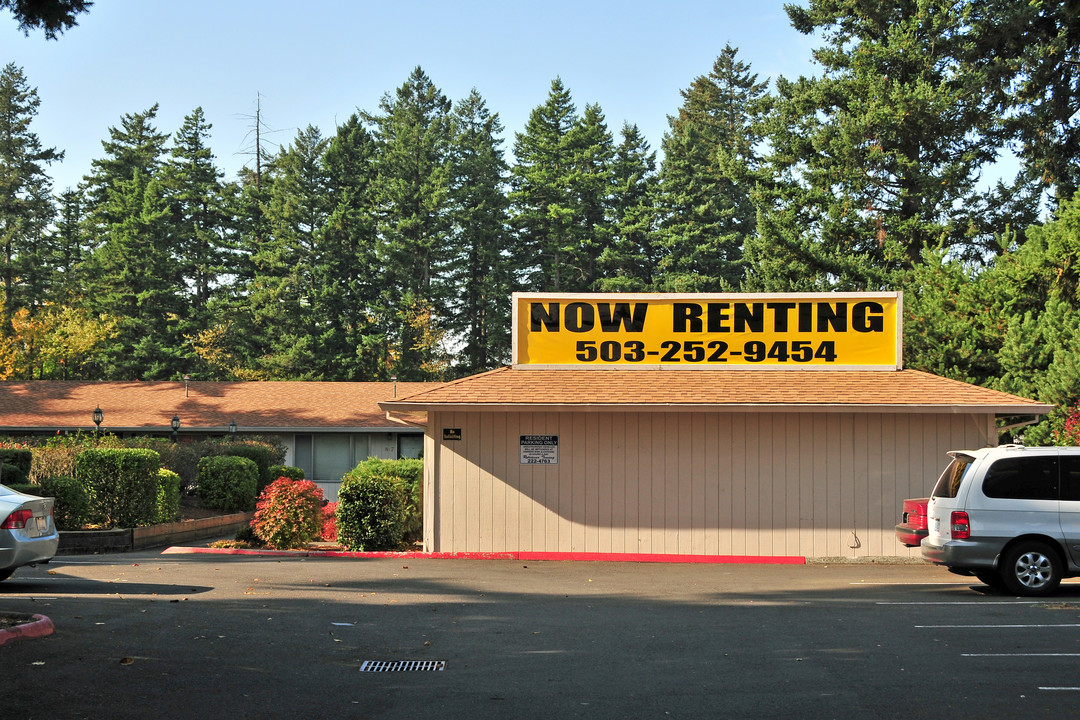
x=877, y=409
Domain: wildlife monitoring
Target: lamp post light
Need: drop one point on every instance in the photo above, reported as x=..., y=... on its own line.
x=232, y=428
x=175, y=426
x=98, y=417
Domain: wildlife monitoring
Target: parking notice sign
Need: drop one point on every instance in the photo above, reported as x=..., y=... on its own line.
x=539, y=450
x=838, y=331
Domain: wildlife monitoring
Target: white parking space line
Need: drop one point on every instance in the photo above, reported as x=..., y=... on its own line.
x=35, y=598
x=1012, y=655
x=995, y=627
x=904, y=584
x=1065, y=689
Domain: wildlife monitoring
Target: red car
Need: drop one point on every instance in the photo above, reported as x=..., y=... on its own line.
x=912, y=528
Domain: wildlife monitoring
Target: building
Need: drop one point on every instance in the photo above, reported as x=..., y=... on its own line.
x=565, y=457
x=327, y=427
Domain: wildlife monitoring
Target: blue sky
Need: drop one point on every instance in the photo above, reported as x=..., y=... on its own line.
x=315, y=63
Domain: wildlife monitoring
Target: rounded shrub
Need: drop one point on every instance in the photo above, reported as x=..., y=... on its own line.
x=370, y=510
x=228, y=483
x=72, y=507
x=12, y=475
x=289, y=514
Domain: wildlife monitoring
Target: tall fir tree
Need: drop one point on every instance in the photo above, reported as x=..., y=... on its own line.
x=592, y=184
x=26, y=206
x=543, y=205
x=412, y=132
x=347, y=295
x=1029, y=57
x=629, y=262
x=879, y=157
x=193, y=184
x=133, y=274
x=711, y=158
x=479, y=314
x=282, y=296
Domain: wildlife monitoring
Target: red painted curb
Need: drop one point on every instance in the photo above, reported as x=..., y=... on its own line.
x=39, y=627
x=513, y=555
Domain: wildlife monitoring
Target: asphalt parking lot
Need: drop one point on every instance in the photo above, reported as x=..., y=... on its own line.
x=195, y=636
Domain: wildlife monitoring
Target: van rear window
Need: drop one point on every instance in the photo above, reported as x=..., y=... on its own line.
x=949, y=482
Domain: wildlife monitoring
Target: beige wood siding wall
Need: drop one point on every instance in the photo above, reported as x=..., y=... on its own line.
x=803, y=484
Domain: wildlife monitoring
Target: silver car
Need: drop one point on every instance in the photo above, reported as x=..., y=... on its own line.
x=28, y=533
x=1008, y=515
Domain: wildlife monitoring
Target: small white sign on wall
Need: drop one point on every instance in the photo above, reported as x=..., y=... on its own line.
x=539, y=449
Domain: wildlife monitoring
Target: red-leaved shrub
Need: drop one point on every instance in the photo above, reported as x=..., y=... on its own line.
x=329, y=522
x=289, y=514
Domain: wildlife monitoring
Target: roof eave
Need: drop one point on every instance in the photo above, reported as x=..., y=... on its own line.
x=943, y=409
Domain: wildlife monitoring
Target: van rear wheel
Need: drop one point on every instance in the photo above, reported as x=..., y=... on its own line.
x=1031, y=568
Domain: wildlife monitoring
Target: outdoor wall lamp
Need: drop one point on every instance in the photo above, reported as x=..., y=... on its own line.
x=175, y=426
x=98, y=417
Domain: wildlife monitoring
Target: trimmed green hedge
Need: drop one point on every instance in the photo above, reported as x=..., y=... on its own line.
x=21, y=459
x=72, y=507
x=168, y=496
x=122, y=484
x=12, y=475
x=373, y=504
x=228, y=483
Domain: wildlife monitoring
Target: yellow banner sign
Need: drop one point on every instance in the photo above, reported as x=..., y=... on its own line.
x=783, y=331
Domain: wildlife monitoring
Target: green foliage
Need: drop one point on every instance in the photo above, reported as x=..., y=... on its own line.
x=289, y=514
x=12, y=475
x=264, y=455
x=710, y=160
x=53, y=17
x=21, y=458
x=371, y=507
x=72, y=507
x=180, y=458
x=286, y=471
x=168, y=496
x=122, y=485
x=479, y=308
x=228, y=483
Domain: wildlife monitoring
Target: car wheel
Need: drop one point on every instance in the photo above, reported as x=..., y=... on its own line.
x=1031, y=568
x=991, y=578
x=6, y=573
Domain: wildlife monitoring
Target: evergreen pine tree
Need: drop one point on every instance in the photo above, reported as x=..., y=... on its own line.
x=347, y=294
x=878, y=158
x=478, y=271
x=592, y=187
x=412, y=132
x=710, y=160
x=542, y=200
x=282, y=295
x=629, y=263
x=26, y=206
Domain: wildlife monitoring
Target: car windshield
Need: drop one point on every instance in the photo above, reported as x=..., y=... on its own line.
x=949, y=482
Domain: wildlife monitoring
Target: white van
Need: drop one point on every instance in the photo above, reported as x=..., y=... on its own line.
x=1008, y=515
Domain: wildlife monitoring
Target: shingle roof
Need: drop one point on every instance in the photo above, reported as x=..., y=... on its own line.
x=203, y=405
x=794, y=390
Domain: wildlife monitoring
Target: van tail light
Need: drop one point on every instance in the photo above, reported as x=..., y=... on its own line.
x=17, y=520
x=960, y=526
